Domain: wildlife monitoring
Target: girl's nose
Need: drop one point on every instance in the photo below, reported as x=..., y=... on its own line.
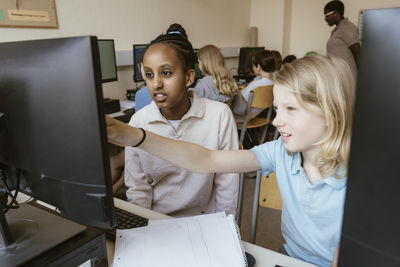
x=157, y=82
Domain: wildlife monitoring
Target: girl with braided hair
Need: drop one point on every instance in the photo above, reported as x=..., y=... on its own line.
x=178, y=113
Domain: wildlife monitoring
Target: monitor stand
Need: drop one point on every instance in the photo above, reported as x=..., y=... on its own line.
x=34, y=231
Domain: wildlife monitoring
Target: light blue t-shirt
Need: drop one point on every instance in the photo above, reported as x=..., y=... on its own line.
x=142, y=98
x=311, y=214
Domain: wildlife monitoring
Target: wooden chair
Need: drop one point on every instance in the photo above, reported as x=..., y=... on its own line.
x=261, y=97
x=266, y=194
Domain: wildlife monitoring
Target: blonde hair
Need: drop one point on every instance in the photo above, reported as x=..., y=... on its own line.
x=328, y=83
x=213, y=64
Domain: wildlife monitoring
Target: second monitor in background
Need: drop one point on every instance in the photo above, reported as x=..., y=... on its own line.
x=107, y=60
x=138, y=52
x=245, y=62
x=197, y=70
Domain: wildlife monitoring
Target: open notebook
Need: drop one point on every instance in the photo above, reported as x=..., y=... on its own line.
x=198, y=241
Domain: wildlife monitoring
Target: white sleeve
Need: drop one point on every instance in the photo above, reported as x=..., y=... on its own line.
x=139, y=191
x=227, y=184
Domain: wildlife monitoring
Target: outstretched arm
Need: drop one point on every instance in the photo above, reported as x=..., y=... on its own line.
x=186, y=155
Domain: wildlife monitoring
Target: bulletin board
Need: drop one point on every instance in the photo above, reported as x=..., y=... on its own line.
x=28, y=13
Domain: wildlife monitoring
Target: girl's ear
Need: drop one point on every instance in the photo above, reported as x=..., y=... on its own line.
x=189, y=77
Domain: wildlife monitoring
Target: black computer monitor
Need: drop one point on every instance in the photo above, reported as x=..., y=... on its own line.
x=53, y=140
x=138, y=52
x=371, y=232
x=197, y=70
x=245, y=59
x=107, y=60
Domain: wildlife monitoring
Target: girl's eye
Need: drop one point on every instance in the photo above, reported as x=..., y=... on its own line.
x=148, y=75
x=290, y=108
x=274, y=107
x=166, y=73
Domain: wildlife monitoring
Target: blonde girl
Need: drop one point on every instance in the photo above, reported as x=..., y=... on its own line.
x=218, y=83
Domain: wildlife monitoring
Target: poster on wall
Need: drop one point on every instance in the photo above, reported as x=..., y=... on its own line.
x=28, y=13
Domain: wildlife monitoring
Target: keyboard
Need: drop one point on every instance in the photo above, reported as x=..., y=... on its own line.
x=125, y=220
x=129, y=111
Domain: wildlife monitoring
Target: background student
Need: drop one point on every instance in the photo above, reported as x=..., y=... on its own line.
x=175, y=112
x=313, y=99
x=278, y=60
x=263, y=66
x=218, y=83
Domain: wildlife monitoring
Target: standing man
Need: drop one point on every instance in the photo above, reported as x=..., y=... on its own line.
x=344, y=41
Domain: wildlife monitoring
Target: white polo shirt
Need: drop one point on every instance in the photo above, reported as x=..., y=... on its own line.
x=156, y=184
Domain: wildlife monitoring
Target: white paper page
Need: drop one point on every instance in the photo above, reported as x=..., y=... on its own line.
x=161, y=245
x=222, y=244
x=127, y=104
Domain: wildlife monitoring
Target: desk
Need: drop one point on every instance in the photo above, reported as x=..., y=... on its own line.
x=264, y=257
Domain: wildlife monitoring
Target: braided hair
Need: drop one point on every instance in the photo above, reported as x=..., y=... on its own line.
x=181, y=45
x=176, y=28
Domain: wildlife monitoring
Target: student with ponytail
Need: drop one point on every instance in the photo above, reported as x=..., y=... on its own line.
x=218, y=83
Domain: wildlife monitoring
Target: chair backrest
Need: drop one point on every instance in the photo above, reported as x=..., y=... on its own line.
x=262, y=97
x=270, y=196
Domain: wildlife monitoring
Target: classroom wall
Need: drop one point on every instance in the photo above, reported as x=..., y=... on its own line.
x=267, y=16
x=224, y=23
x=309, y=31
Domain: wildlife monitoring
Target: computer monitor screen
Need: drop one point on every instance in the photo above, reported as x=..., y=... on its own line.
x=138, y=52
x=107, y=60
x=245, y=59
x=370, y=235
x=197, y=70
x=53, y=139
